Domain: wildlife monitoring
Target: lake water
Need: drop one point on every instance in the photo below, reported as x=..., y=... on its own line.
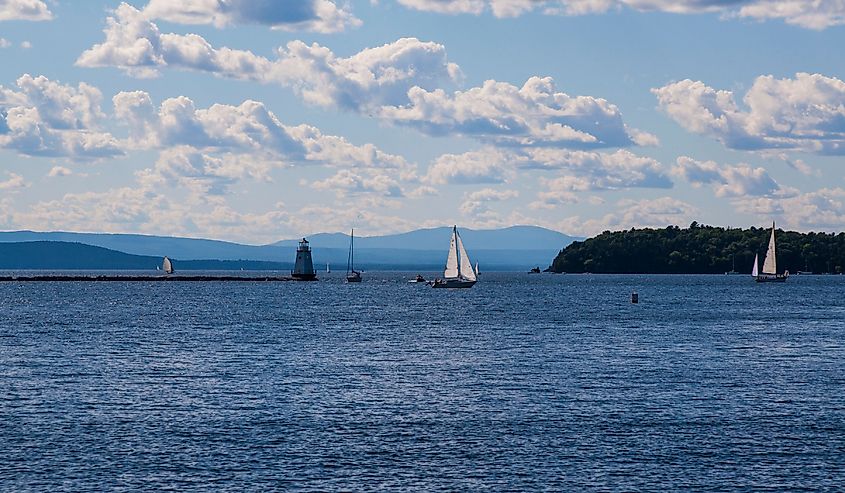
x=525, y=382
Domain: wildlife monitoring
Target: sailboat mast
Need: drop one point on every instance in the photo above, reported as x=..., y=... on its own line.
x=457, y=250
x=352, y=249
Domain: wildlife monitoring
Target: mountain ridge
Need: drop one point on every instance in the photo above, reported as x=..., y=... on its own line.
x=514, y=247
x=508, y=248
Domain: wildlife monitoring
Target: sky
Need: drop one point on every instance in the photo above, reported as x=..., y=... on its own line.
x=257, y=120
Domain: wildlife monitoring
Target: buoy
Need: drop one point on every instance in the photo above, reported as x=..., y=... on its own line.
x=635, y=298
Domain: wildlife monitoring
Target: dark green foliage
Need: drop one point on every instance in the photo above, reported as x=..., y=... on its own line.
x=700, y=250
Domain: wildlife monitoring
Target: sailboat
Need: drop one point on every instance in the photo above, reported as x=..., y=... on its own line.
x=459, y=272
x=328, y=268
x=477, y=272
x=167, y=266
x=352, y=275
x=770, y=267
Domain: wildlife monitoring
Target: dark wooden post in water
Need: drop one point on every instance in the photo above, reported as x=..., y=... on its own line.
x=303, y=270
x=635, y=298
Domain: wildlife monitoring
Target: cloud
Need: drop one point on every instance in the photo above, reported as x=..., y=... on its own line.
x=15, y=182
x=806, y=113
x=579, y=171
x=400, y=83
x=536, y=114
x=652, y=213
x=368, y=79
x=812, y=14
x=247, y=128
x=820, y=210
x=729, y=181
x=5, y=43
x=347, y=182
x=26, y=10
x=552, y=199
x=306, y=15
x=46, y=118
x=476, y=167
x=476, y=204
x=590, y=171
x=202, y=173
x=56, y=171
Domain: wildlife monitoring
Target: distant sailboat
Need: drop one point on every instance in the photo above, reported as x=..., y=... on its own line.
x=351, y=274
x=328, y=268
x=477, y=272
x=770, y=267
x=167, y=266
x=459, y=272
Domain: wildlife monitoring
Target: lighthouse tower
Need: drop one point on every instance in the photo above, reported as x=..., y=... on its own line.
x=304, y=268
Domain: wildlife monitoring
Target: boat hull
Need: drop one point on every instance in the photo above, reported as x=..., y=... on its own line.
x=772, y=277
x=353, y=278
x=453, y=283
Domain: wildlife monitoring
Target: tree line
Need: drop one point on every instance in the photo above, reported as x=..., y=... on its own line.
x=700, y=249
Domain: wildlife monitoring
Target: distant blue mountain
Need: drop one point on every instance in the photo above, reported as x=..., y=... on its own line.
x=176, y=247
x=512, y=238
x=517, y=247
x=59, y=255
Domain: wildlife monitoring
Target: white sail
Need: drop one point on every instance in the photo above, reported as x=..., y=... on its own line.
x=452, y=259
x=167, y=266
x=756, y=263
x=477, y=272
x=466, y=270
x=770, y=263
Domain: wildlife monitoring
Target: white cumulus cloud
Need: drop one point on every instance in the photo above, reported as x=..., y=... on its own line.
x=370, y=78
x=477, y=204
x=27, y=10
x=46, y=118
x=729, y=181
x=805, y=113
x=536, y=114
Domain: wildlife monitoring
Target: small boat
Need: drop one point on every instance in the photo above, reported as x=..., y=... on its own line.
x=352, y=275
x=477, y=272
x=459, y=272
x=328, y=268
x=535, y=270
x=770, y=267
x=418, y=279
x=167, y=266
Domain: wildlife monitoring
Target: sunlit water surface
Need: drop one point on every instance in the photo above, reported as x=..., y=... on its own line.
x=525, y=382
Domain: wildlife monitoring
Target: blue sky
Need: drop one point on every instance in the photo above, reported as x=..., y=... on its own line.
x=260, y=120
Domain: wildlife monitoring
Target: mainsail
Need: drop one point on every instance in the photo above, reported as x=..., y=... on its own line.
x=770, y=262
x=466, y=270
x=452, y=259
x=754, y=271
x=167, y=266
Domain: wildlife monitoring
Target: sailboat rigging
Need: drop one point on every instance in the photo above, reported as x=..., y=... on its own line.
x=351, y=274
x=459, y=272
x=770, y=267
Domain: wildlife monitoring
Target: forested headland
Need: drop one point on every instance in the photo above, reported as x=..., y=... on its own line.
x=700, y=249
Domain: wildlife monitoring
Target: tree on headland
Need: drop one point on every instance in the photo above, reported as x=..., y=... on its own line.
x=699, y=249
